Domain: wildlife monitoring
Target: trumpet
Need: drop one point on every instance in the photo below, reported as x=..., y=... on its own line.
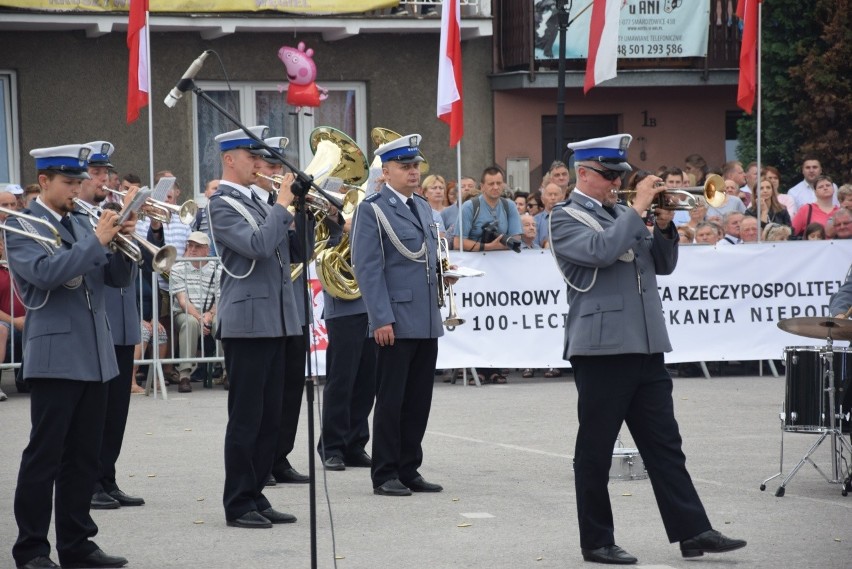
x=131, y=246
x=317, y=202
x=162, y=211
x=712, y=194
x=445, y=289
x=56, y=240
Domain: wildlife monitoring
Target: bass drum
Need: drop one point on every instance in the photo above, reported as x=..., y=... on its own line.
x=806, y=400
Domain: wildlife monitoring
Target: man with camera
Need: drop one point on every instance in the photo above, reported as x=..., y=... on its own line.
x=490, y=222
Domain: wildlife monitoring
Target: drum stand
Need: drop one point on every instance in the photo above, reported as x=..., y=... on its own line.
x=833, y=431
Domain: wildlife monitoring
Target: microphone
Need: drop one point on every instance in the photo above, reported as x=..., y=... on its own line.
x=185, y=82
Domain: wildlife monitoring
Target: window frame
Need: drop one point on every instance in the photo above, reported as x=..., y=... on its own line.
x=306, y=124
x=9, y=84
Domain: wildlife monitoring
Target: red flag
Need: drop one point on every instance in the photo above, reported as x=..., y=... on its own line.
x=603, y=43
x=137, y=72
x=450, y=108
x=747, y=12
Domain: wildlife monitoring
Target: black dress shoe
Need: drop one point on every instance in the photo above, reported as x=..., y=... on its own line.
x=271, y=481
x=289, y=475
x=97, y=558
x=392, y=488
x=710, y=541
x=610, y=554
x=125, y=499
x=250, y=520
x=358, y=460
x=419, y=484
x=103, y=501
x=277, y=517
x=40, y=562
x=334, y=463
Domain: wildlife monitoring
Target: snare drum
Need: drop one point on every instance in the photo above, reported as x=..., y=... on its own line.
x=806, y=401
x=627, y=465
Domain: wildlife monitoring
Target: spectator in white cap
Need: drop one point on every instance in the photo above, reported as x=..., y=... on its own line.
x=195, y=286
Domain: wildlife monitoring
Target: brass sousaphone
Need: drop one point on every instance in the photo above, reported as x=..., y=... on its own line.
x=336, y=155
x=334, y=265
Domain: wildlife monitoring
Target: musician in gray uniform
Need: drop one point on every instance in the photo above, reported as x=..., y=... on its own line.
x=350, y=375
x=394, y=252
x=123, y=316
x=294, y=370
x=68, y=360
x=257, y=310
x=615, y=339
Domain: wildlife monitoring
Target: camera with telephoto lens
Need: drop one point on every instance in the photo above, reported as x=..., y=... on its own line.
x=490, y=232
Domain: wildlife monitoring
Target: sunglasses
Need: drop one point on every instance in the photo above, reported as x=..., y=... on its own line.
x=609, y=175
x=533, y=204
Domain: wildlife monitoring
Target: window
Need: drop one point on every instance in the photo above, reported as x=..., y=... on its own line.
x=9, y=156
x=261, y=103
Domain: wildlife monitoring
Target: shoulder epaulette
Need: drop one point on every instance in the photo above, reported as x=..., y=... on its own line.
x=372, y=197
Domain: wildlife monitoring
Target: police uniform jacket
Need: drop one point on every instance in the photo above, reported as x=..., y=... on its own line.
x=622, y=313
x=298, y=251
x=69, y=337
x=336, y=307
x=395, y=289
x=842, y=299
x=261, y=305
x=122, y=306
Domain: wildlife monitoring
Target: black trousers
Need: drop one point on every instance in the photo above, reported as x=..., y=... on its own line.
x=67, y=425
x=118, y=402
x=255, y=371
x=291, y=396
x=405, y=376
x=636, y=389
x=350, y=387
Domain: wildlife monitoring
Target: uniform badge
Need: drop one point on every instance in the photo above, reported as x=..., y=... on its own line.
x=392, y=200
x=589, y=205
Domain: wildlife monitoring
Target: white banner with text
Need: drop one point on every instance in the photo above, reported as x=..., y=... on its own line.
x=719, y=304
x=647, y=29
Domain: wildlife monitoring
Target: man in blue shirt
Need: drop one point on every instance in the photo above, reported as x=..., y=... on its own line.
x=489, y=210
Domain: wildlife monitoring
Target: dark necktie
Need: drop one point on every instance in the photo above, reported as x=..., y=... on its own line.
x=66, y=223
x=610, y=210
x=410, y=203
x=270, y=199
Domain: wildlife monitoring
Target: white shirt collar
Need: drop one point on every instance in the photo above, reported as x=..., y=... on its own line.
x=576, y=191
x=242, y=189
x=44, y=205
x=261, y=193
x=399, y=195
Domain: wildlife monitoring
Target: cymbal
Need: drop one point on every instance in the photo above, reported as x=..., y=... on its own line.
x=818, y=327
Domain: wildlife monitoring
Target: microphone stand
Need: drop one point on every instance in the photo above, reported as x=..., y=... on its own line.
x=299, y=188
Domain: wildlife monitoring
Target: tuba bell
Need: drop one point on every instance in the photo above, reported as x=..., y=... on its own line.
x=336, y=155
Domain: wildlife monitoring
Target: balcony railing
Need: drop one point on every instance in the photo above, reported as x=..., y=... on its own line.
x=514, y=39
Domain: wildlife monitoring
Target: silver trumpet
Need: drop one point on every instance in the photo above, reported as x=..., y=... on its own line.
x=131, y=245
x=445, y=289
x=56, y=240
x=162, y=211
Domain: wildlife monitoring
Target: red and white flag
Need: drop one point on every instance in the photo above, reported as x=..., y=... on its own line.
x=747, y=12
x=603, y=42
x=138, y=84
x=450, y=71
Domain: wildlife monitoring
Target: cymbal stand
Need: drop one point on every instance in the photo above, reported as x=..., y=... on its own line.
x=833, y=432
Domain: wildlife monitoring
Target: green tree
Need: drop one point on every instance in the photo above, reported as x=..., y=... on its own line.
x=789, y=30
x=824, y=112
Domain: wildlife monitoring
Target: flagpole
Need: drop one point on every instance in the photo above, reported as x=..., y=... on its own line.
x=150, y=95
x=459, y=231
x=756, y=189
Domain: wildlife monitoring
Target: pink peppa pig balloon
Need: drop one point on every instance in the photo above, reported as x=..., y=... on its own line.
x=302, y=72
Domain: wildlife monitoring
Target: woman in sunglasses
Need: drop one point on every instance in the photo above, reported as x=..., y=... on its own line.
x=534, y=205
